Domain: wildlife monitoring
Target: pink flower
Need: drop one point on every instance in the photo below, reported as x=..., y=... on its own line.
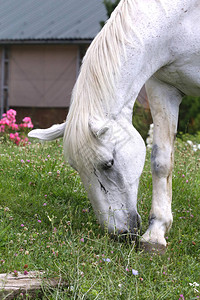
x=141, y=278
x=17, y=140
x=8, y=123
x=11, y=112
x=26, y=120
x=5, y=121
x=22, y=225
x=39, y=221
x=25, y=272
x=14, y=126
x=82, y=240
x=12, y=136
x=127, y=270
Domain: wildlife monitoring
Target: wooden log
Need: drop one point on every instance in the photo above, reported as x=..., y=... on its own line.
x=12, y=285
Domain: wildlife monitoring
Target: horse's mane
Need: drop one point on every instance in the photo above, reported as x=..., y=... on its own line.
x=94, y=91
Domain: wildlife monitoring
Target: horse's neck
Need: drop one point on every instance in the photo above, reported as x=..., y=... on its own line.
x=152, y=31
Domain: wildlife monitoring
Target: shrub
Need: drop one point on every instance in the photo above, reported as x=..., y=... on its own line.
x=15, y=132
x=110, y=6
x=141, y=119
x=189, y=116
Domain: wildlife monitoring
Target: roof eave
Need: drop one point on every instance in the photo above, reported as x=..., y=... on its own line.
x=46, y=41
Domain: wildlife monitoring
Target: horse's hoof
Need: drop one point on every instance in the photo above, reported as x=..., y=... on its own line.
x=152, y=247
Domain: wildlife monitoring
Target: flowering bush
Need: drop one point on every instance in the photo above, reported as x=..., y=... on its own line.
x=149, y=140
x=16, y=132
x=194, y=146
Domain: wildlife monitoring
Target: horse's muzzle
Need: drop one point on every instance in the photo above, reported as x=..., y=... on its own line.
x=133, y=232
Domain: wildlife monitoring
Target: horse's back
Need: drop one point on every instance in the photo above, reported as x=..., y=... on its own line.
x=183, y=71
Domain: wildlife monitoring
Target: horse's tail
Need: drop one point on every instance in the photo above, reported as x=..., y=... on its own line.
x=49, y=134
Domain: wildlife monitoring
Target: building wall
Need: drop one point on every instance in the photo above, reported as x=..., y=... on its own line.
x=42, y=117
x=41, y=79
x=42, y=75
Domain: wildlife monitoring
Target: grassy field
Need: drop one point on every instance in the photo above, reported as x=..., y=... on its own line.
x=47, y=223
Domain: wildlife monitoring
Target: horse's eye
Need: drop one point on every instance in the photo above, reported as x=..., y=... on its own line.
x=108, y=164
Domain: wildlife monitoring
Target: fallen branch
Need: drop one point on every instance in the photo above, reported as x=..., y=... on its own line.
x=12, y=285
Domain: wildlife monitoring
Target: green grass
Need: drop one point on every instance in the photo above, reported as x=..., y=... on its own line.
x=47, y=222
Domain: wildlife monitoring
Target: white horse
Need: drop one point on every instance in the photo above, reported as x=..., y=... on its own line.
x=154, y=42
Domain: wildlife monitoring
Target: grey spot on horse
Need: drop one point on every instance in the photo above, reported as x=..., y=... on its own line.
x=154, y=162
x=154, y=152
x=152, y=218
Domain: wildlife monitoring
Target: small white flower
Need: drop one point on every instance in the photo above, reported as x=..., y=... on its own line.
x=190, y=143
x=106, y=259
x=151, y=126
x=194, y=285
x=194, y=148
x=149, y=139
x=135, y=272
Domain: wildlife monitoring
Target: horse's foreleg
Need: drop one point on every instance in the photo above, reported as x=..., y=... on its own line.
x=164, y=103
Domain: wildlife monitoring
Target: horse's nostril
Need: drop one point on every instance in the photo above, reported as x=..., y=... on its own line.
x=134, y=223
x=112, y=162
x=108, y=164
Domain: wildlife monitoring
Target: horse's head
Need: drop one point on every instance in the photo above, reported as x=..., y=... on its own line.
x=111, y=174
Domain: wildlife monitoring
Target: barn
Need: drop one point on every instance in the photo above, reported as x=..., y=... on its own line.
x=41, y=47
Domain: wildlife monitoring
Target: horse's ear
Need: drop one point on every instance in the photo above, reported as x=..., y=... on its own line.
x=99, y=128
x=101, y=133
